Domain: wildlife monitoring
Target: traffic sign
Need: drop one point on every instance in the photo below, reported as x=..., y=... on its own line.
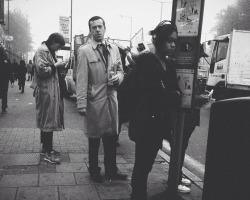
x=8, y=38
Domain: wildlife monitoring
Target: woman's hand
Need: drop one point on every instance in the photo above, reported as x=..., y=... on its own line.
x=60, y=64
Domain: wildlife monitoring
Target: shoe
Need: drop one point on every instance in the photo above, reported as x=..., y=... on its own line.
x=52, y=159
x=185, y=181
x=117, y=176
x=4, y=111
x=96, y=176
x=54, y=152
x=183, y=189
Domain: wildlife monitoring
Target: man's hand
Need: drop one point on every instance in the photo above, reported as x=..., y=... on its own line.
x=82, y=111
x=115, y=80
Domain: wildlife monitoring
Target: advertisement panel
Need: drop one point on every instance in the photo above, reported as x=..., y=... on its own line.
x=64, y=26
x=187, y=17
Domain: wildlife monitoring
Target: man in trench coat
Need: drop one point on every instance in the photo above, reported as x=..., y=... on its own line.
x=99, y=72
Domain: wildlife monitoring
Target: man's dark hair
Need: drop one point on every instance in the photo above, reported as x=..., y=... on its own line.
x=162, y=31
x=56, y=38
x=94, y=19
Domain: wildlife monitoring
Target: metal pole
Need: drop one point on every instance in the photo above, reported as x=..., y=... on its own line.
x=175, y=159
x=131, y=32
x=70, y=55
x=9, y=26
x=8, y=17
x=161, y=10
x=131, y=22
x=162, y=2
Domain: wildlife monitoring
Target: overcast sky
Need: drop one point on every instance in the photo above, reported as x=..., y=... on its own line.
x=44, y=15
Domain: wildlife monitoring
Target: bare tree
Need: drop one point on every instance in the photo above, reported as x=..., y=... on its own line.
x=20, y=30
x=235, y=16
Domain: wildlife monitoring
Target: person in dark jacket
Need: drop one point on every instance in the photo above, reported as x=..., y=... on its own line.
x=22, y=75
x=158, y=97
x=5, y=77
x=15, y=68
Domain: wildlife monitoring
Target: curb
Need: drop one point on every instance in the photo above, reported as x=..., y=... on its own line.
x=190, y=165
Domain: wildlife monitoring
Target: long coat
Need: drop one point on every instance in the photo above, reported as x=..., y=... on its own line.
x=93, y=91
x=49, y=105
x=5, y=74
x=157, y=100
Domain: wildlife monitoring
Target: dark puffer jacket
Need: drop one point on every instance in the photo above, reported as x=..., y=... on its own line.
x=151, y=120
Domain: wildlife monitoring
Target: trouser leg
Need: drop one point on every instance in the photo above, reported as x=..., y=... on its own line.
x=187, y=132
x=23, y=85
x=109, y=145
x=94, y=144
x=46, y=138
x=4, y=100
x=145, y=155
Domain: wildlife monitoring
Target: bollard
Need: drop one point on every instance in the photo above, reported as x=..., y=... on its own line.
x=227, y=166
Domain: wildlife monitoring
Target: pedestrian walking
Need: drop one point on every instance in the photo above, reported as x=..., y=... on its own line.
x=157, y=98
x=15, y=67
x=5, y=77
x=99, y=72
x=29, y=70
x=22, y=75
x=49, y=101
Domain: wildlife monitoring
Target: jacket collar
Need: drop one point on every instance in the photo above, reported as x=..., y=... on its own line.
x=44, y=47
x=95, y=44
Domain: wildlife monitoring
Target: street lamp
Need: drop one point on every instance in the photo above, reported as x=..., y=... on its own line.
x=131, y=22
x=8, y=16
x=9, y=24
x=162, y=2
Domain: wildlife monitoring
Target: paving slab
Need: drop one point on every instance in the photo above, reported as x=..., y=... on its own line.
x=156, y=191
x=114, y=191
x=78, y=158
x=19, y=180
x=159, y=177
x=56, y=179
x=72, y=167
x=37, y=193
x=8, y=193
x=79, y=192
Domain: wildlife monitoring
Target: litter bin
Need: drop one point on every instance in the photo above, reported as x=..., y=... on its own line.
x=227, y=166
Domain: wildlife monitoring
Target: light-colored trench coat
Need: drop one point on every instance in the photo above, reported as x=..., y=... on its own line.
x=93, y=91
x=49, y=105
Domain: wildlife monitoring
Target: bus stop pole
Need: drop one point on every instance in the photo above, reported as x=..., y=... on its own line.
x=175, y=159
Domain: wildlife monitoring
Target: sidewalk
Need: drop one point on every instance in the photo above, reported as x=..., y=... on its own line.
x=24, y=175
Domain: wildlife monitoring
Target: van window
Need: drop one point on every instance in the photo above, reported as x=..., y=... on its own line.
x=221, y=51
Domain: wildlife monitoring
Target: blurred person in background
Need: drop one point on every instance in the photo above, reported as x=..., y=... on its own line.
x=5, y=77
x=15, y=67
x=22, y=75
x=29, y=70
